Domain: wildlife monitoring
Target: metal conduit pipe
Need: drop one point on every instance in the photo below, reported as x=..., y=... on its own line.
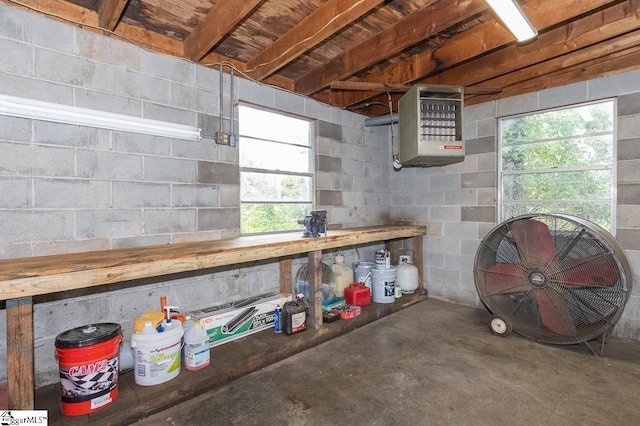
x=383, y=120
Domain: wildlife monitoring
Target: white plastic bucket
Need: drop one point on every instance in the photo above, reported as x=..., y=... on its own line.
x=156, y=357
x=362, y=269
x=384, y=284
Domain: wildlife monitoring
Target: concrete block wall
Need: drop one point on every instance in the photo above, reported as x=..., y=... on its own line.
x=458, y=202
x=69, y=189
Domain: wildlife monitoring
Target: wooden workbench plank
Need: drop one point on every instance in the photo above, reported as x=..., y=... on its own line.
x=314, y=264
x=49, y=274
x=20, y=353
x=286, y=278
x=417, y=260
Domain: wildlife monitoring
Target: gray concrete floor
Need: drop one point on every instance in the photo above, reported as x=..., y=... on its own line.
x=434, y=363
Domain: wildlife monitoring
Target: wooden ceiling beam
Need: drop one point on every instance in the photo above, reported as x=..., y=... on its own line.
x=325, y=21
x=148, y=39
x=584, y=49
x=88, y=20
x=213, y=60
x=609, y=57
x=473, y=43
x=578, y=41
x=224, y=15
x=109, y=13
x=59, y=10
x=433, y=17
x=400, y=88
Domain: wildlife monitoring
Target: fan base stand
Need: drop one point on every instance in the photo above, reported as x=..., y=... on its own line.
x=602, y=340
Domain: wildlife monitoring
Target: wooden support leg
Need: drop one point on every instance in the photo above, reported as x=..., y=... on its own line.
x=286, y=282
x=417, y=260
x=315, y=289
x=20, y=381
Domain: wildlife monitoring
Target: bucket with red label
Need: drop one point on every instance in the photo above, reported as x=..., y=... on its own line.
x=88, y=357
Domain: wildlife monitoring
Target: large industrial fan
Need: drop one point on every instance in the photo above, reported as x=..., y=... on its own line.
x=554, y=278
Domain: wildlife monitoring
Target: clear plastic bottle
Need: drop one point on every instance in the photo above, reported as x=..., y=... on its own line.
x=197, y=354
x=148, y=328
x=188, y=325
x=343, y=274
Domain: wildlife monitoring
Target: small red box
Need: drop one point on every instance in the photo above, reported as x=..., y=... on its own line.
x=357, y=294
x=351, y=312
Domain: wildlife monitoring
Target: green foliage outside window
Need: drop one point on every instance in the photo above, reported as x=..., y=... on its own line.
x=559, y=161
x=276, y=171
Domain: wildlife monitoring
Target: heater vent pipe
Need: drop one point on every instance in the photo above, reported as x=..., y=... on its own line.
x=383, y=120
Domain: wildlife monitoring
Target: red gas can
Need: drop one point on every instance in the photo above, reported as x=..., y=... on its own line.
x=357, y=294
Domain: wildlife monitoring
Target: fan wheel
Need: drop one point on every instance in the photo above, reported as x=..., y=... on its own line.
x=554, y=278
x=500, y=326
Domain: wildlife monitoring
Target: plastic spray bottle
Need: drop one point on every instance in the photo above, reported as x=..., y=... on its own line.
x=168, y=324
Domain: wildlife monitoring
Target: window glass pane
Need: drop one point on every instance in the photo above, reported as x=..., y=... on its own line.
x=596, y=211
x=559, y=161
x=272, y=126
x=274, y=187
x=276, y=170
x=263, y=217
x=578, y=185
x=562, y=123
x=595, y=150
x=261, y=154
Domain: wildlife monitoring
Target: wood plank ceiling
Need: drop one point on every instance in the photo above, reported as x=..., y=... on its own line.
x=325, y=48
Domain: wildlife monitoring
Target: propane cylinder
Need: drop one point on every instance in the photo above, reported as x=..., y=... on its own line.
x=407, y=276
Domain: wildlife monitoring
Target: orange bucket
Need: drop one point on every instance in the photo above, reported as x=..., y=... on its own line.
x=88, y=357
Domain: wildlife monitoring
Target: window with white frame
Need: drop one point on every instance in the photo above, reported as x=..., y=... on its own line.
x=276, y=170
x=559, y=161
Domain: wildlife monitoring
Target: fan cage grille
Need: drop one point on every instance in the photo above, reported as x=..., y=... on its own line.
x=557, y=278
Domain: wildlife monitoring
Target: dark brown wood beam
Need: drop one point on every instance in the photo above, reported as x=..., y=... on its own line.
x=475, y=42
x=433, y=17
x=595, y=36
x=570, y=54
x=59, y=10
x=88, y=19
x=609, y=57
x=149, y=40
x=399, y=88
x=328, y=19
x=110, y=12
x=224, y=15
x=365, y=85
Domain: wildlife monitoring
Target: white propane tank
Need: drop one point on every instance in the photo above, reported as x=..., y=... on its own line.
x=407, y=275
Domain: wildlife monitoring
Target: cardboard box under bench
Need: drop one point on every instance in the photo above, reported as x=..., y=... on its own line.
x=231, y=321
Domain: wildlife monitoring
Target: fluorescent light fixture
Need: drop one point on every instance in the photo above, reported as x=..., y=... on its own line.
x=58, y=113
x=513, y=17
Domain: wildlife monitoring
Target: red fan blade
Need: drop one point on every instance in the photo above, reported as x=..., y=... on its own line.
x=506, y=278
x=555, y=314
x=590, y=271
x=534, y=241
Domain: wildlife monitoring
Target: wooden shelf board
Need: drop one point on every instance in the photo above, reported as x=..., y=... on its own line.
x=228, y=362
